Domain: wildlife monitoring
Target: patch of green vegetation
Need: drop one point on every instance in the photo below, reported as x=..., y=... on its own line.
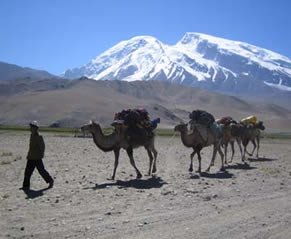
x=166, y=132
x=5, y=196
x=159, y=131
x=43, y=129
x=271, y=170
x=18, y=158
x=278, y=135
x=5, y=162
x=6, y=154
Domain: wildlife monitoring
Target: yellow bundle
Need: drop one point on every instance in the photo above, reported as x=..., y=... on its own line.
x=249, y=120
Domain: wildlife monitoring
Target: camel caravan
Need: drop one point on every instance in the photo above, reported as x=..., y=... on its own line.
x=133, y=128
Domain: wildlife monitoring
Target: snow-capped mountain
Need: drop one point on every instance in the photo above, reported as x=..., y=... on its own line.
x=196, y=60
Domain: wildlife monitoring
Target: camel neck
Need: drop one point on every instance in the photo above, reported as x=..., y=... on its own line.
x=186, y=139
x=105, y=143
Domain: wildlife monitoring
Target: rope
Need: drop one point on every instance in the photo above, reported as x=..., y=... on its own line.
x=173, y=135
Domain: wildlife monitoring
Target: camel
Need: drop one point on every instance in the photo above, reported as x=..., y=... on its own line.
x=249, y=133
x=117, y=140
x=228, y=138
x=193, y=139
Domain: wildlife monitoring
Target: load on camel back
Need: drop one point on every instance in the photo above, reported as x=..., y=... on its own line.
x=137, y=123
x=250, y=120
x=204, y=122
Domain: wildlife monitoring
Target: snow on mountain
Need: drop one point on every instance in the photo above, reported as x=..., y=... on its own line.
x=196, y=60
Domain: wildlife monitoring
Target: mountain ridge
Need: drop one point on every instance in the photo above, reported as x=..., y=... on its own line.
x=11, y=72
x=202, y=57
x=71, y=103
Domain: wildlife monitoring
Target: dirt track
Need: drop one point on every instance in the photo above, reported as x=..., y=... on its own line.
x=244, y=202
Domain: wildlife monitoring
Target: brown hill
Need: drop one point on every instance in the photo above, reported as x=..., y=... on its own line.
x=73, y=103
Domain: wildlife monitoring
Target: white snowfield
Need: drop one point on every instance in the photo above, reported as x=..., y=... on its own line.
x=146, y=58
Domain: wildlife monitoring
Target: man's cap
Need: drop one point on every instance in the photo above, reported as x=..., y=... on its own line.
x=34, y=123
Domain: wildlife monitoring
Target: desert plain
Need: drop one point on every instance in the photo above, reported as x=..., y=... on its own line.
x=250, y=200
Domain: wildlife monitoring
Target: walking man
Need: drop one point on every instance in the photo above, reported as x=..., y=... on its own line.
x=34, y=158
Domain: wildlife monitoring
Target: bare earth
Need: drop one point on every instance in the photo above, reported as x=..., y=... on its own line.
x=244, y=202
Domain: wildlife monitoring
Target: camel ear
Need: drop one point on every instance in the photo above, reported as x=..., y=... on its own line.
x=92, y=122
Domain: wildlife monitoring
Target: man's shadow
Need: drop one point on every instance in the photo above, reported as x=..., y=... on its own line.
x=31, y=194
x=153, y=182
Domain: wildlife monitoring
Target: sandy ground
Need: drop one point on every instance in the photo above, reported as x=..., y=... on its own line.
x=244, y=202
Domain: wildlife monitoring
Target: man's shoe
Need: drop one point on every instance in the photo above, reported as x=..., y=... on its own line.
x=51, y=184
x=24, y=188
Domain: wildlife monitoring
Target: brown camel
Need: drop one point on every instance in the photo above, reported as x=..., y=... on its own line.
x=117, y=140
x=193, y=139
x=228, y=138
x=249, y=133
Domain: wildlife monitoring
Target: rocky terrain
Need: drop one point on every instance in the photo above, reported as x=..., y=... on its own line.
x=246, y=201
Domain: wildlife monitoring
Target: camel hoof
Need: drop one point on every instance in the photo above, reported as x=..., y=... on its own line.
x=154, y=170
x=222, y=169
x=139, y=176
x=190, y=169
x=207, y=170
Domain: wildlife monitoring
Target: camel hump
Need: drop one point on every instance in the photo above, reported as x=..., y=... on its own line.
x=202, y=117
x=226, y=120
x=137, y=121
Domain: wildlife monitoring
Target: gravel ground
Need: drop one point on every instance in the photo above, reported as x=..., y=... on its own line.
x=245, y=201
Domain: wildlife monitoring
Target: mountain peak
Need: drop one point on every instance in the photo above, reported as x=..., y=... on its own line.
x=198, y=60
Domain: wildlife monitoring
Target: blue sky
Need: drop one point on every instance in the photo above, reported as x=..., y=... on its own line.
x=55, y=35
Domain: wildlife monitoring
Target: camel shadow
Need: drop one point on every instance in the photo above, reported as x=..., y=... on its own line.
x=194, y=176
x=244, y=166
x=263, y=159
x=31, y=194
x=153, y=182
x=220, y=175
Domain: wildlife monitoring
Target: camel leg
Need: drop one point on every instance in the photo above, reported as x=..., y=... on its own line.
x=244, y=154
x=258, y=145
x=199, y=161
x=245, y=144
x=130, y=155
x=191, y=160
x=213, y=158
x=116, y=154
x=225, y=152
x=255, y=145
x=221, y=156
x=240, y=148
x=155, y=152
x=151, y=161
x=232, y=150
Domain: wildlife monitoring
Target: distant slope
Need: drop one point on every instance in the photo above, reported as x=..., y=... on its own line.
x=12, y=72
x=73, y=103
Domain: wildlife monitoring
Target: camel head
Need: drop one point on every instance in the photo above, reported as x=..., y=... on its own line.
x=260, y=125
x=182, y=127
x=89, y=127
